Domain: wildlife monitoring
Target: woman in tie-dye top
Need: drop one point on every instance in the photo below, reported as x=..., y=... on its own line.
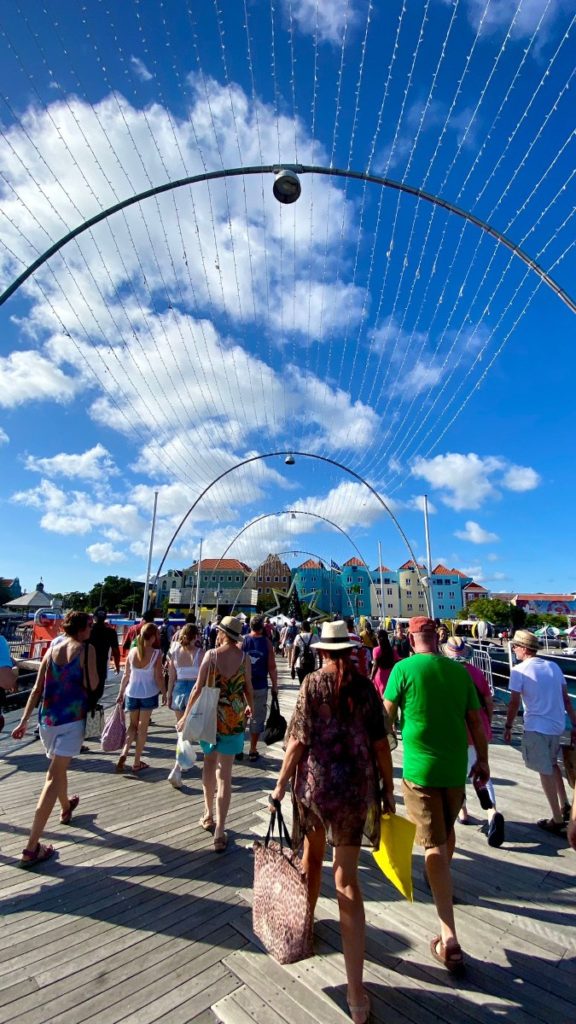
x=67, y=669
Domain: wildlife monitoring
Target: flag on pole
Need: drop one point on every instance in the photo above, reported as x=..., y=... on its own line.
x=334, y=566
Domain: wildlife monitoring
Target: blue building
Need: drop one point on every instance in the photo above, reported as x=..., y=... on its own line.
x=357, y=590
x=313, y=576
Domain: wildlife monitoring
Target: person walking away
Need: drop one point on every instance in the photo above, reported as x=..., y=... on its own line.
x=66, y=674
x=401, y=643
x=383, y=663
x=358, y=656
x=263, y=665
x=140, y=687
x=184, y=660
x=231, y=670
x=369, y=642
x=167, y=631
x=458, y=650
x=337, y=752
x=130, y=635
x=541, y=687
x=289, y=640
x=437, y=699
x=104, y=640
x=304, y=654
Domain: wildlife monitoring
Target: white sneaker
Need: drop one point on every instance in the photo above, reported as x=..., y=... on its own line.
x=175, y=777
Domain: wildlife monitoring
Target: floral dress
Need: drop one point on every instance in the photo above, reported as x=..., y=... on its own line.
x=231, y=711
x=336, y=785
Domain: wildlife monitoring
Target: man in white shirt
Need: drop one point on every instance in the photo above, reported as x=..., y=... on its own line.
x=542, y=687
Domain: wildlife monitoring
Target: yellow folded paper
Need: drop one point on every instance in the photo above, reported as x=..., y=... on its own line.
x=394, y=855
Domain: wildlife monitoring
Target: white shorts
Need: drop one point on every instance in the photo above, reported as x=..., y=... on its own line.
x=62, y=740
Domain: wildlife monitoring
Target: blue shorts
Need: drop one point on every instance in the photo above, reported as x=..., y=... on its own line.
x=233, y=744
x=181, y=692
x=140, y=703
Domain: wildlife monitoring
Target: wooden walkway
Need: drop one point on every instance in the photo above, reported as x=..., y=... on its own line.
x=138, y=921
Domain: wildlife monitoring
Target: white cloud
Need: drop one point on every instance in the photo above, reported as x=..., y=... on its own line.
x=521, y=478
x=492, y=557
x=104, y=553
x=4, y=439
x=497, y=15
x=467, y=481
x=350, y=505
x=77, y=512
x=141, y=70
x=417, y=505
x=476, y=534
x=29, y=376
x=93, y=464
x=325, y=18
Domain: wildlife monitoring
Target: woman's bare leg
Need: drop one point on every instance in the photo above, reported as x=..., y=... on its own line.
x=55, y=788
x=209, y=783
x=130, y=733
x=142, y=733
x=312, y=859
x=352, y=921
x=224, y=791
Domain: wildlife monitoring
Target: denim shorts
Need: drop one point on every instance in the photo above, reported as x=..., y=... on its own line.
x=181, y=692
x=140, y=703
x=62, y=740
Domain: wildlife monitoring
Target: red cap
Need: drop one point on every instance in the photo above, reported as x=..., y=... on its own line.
x=421, y=624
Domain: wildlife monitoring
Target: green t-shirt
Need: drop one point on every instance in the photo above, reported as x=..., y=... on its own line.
x=434, y=694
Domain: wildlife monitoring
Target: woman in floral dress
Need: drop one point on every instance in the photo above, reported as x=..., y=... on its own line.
x=337, y=753
x=232, y=675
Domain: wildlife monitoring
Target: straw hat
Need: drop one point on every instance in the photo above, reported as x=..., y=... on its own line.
x=456, y=648
x=232, y=626
x=524, y=638
x=335, y=637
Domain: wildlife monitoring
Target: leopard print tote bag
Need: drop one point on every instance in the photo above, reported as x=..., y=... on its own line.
x=282, y=916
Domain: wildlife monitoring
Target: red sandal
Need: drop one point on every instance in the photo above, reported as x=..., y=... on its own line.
x=452, y=959
x=30, y=858
x=66, y=816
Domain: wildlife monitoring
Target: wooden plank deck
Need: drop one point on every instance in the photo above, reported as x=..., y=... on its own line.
x=139, y=921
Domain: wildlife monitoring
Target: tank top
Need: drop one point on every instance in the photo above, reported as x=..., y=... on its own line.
x=64, y=698
x=187, y=671
x=142, y=682
x=256, y=648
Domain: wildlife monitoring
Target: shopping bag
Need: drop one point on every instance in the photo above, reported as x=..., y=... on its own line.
x=94, y=723
x=275, y=725
x=569, y=755
x=282, y=915
x=185, y=753
x=394, y=855
x=114, y=731
x=201, y=720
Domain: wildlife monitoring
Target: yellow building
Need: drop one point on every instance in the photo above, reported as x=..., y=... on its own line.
x=412, y=595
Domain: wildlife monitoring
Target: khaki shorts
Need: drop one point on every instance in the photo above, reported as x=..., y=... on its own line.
x=540, y=751
x=433, y=809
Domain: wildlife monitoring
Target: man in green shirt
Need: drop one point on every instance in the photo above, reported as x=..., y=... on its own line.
x=437, y=700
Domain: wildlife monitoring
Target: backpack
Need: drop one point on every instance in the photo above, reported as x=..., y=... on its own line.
x=307, y=659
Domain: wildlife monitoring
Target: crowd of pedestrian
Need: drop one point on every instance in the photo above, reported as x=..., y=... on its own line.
x=355, y=690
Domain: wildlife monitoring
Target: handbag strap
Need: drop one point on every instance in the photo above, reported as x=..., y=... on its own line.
x=283, y=833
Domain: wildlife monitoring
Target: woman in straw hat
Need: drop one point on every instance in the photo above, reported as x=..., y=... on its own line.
x=336, y=754
x=231, y=668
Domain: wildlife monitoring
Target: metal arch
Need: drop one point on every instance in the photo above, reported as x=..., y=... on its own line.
x=300, y=512
x=305, y=455
x=336, y=172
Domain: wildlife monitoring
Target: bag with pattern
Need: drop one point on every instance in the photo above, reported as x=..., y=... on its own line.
x=94, y=723
x=282, y=916
x=114, y=731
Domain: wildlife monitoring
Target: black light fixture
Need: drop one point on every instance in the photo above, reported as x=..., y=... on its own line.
x=286, y=187
x=289, y=460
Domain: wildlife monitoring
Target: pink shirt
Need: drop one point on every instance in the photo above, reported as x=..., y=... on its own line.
x=381, y=675
x=484, y=693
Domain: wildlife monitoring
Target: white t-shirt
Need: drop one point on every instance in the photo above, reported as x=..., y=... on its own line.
x=541, y=684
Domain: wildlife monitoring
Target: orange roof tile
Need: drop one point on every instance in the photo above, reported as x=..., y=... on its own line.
x=311, y=564
x=355, y=561
x=222, y=564
x=544, y=597
x=475, y=586
x=411, y=565
x=441, y=570
x=383, y=568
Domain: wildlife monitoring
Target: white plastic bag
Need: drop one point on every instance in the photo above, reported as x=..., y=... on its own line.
x=201, y=720
x=185, y=753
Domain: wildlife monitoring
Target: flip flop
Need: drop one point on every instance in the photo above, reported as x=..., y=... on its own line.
x=452, y=959
x=496, y=830
x=30, y=858
x=66, y=816
x=120, y=765
x=220, y=843
x=139, y=767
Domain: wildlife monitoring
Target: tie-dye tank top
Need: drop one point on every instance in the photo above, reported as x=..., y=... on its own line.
x=64, y=698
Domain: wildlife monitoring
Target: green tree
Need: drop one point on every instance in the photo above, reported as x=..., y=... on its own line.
x=265, y=602
x=494, y=610
x=534, y=620
x=75, y=601
x=116, y=592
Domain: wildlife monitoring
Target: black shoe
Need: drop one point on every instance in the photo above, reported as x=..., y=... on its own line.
x=240, y=756
x=556, y=828
x=496, y=830
x=566, y=813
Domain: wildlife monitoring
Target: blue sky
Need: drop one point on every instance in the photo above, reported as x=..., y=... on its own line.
x=211, y=325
